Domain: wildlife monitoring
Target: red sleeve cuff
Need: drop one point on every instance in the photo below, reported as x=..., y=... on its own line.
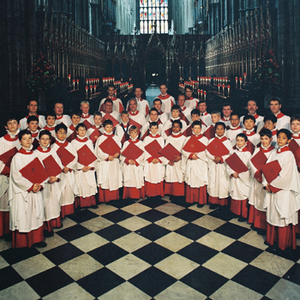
x=127, y=161
x=136, y=163
x=5, y=171
x=191, y=156
x=149, y=160
x=92, y=169
x=222, y=159
x=29, y=190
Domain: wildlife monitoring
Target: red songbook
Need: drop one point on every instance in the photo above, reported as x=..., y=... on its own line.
x=35, y=172
x=72, y=137
x=87, y=124
x=110, y=117
x=217, y=148
x=250, y=147
x=194, y=145
x=7, y=156
x=169, y=152
x=132, y=151
x=210, y=133
x=153, y=149
x=259, y=160
x=271, y=171
x=85, y=156
x=94, y=135
x=109, y=146
x=168, y=131
x=295, y=148
x=236, y=164
x=51, y=166
x=65, y=156
x=188, y=131
x=134, y=123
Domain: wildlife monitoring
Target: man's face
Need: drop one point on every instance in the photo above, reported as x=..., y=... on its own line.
x=108, y=107
x=181, y=100
x=132, y=105
x=138, y=92
x=163, y=89
x=32, y=107
x=275, y=106
x=111, y=91
x=252, y=107
x=202, y=107
x=59, y=109
x=85, y=107
x=153, y=116
x=188, y=93
x=227, y=111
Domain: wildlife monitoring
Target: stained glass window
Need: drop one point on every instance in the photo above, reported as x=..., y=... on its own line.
x=153, y=13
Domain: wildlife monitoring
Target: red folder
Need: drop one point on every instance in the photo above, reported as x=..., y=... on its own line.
x=85, y=156
x=94, y=135
x=271, y=171
x=153, y=149
x=51, y=166
x=35, y=172
x=188, y=131
x=87, y=124
x=169, y=152
x=109, y=146
x=210, y=133
x=217, y=148
x=134, y=123
x=168, y=131
x=236, y=164
x=72, y=137
x=259, y=160
x=194, y=145
x=65, y=156
x=7, y=156
x=250, y=147
x=295, y=148
x=132, y=151
x=110, y=117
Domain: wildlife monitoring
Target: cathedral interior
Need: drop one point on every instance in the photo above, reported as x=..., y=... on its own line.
x=227, y=51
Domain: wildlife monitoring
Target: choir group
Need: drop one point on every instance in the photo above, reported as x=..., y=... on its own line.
x=55, y=164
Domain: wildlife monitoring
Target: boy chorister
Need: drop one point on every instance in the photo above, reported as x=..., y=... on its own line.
x=153, y=117
x=157, y=104
x=117, y=103
x=211, y=130
x=234, y=128
x=75, y=119
x=240, y=182
x=9, y=146
x=33, y=124
x=109, y=175
x=96, y=130
x=270, y=123
x=154, y=170
x=204, y=115
x=133, y=179
x=25, y=198
x=218, y=179
x=50, y=125
x=122, y=129
x=167, y=100
x=196, y=167
x=195, y=116
x=249, y=130
x=257, y=212
x=67, y=183
x=284, y=201
x=51, y=193
x=185, y=112
x=174, y=177
x=85, y=169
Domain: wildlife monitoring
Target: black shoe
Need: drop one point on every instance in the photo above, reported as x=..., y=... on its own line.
x=48, y=234
x=39, y=245
x=200, y=205
x=261, y=231
x=8, y=237
x=213, y=206
x=61, y=226
x=241, y=219
x=94, y=206
x=253, y=228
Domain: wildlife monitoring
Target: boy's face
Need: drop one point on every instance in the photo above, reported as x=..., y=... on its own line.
x=32, y=107
x=282, y=139
x=269, y=125
x=295, y=126
x=61, y=134
x=176, y=128
x=33, y=126
x=125, y=118
x=188, y=93
x=202, y=107
x=154, y=129
x=97, y=120
x=227, y=111
x=26, y=141
x=163, y=89
x=44, y=140
x=132, y=105
x=108, y=128
x=81, y=132
x=220, y=130
x=274, y=106
x=240, y=142
x=108, y=107
x=265, y=141
x=75, y=119
x=134, y=134
x=138, y=93
x=153, y=116
x=249, y=124
x=111, y=91
x=215, y=118
x=85, y=107
x=181, y=100
x=195, y=117
x=235, y=120
x=196, y=129
x=50, y=120
x=59, y=109
x=12, y=126
x=175, y=113
x=157, y=105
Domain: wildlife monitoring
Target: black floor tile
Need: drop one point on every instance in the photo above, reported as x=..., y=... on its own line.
x=288, y=253
x=74, y=232
x=82, y=216
x=293, y=274
x=117, y=216
x=232, y=230
x=188, y=215
x=265, y=298
x=153, y=202
x=180, y=201
x=152, y=253
x=63, y=253
x=100, y=282
x=113, y=232
x=121, y=203
x=9, y=277
x=152, y=281
x=222, y=213
x=204, y=280
x=256, y=279
x=49, y=281
x=153, y=215
x=107, y=253
x=153, y=232
x=13, y=256
x=242, y=251
x=198, y=253
x=192, y=231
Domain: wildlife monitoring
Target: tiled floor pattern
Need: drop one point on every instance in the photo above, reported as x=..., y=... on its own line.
x=150, y=250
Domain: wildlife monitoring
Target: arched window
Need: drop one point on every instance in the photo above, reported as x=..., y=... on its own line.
x=154, y=13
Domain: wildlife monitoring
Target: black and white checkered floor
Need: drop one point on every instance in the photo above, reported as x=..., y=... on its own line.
x=150, y=250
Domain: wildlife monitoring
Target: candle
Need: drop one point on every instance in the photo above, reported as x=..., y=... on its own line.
x=228, y=90
x=95, y=87
x=245, y=77
x=236, y=81
x=241, y=82
x=204, y=95
x=69, y=77
x=91, y=89
x=223, y=87
x=73, y=84
x=219, y=87
x=198, y=93
x=77, y=81
x=86, y=91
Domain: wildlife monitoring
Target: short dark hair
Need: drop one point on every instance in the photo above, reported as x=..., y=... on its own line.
x=153, y=109
x=111, y=85
x=270, y=117
x=195, y=111
x=75, y=113
x=248, y=117
x=226, y=104
x=22, y=133
x=153, y=124
x=108, y=101
x=234, y=113
x=188, y=87
x=45, y=132
x=80, y=125
x=11, y=117
x=157, y=99
x=243, y=135
x=32, y=118
x=220, y=123
x=28, y=102
x=196, y=123
x=177, y=122
x=295, y=118
x=286, y=132
x=60, y=126
x=163, y=84
x=266, y=132
x=175, y=106
x=275, y=99
x=98, y=113
x=50, y=114
x=108, y=122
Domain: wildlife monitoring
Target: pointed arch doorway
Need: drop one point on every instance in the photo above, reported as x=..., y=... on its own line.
x=155, y=67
